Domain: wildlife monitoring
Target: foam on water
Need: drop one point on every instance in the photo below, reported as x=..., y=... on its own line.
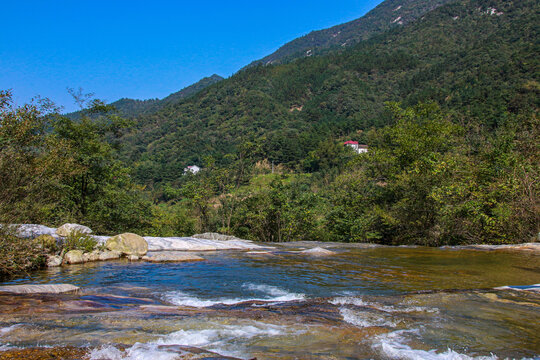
x=394, y=345
x=357, y=301
x=226, y=340
x=268, y=294
x=365, y=319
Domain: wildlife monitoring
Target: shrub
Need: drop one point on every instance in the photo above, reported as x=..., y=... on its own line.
x=19, y=255
x=79, y=241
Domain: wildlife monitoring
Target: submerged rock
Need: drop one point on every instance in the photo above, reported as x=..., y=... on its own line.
x=39, y=289
x=54, y=261
x=65, y=353
x=74, y=257
x=318, y=251
x=128, y=244
x=68, y=229
x=171, y=256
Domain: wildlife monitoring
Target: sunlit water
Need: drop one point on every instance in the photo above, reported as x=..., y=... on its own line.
x=390, y=303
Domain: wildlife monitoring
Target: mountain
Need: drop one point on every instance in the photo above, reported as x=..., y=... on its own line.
x=131, y=108
x=476, y=58
x=389, y=14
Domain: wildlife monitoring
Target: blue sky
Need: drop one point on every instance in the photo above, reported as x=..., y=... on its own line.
x=146, y=49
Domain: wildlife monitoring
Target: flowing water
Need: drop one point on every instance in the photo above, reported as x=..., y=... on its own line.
x=382, y=303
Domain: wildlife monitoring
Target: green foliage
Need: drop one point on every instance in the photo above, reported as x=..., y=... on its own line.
x=380, y=19
x=19, y=255
x=79, y=241
x=481, y=68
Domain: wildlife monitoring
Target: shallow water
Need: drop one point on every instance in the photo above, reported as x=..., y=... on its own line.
x=403, y=303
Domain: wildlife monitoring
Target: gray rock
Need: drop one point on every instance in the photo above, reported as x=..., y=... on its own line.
x=109, y=255
x=54, y=261
x=39, y=289
x=74, y=257
x=32, y=230
x=133, y=258
x=92, y=256
x=171, y=256
x=68, y=229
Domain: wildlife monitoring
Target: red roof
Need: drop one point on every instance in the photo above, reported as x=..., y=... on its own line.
x=351, y=143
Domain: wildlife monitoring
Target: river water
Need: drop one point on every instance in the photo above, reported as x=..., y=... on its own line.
x=382, y=303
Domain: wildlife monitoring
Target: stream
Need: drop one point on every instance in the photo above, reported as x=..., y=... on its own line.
x=361, y=303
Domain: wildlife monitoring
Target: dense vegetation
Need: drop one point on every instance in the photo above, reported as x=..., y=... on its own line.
x=447, y=104
x=389, y=14
x=479, y=66
x=130, y=108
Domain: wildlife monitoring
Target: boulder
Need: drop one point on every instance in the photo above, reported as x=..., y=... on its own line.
x=39, y=289
x=171, y=256
x=74, y=257
x=54, y=261
x=31, y=230
x=133, y=258
x=68, y=229
x=128, y=244
x=109, y=255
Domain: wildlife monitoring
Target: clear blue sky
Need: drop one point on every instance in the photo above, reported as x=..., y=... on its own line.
x=146, y=49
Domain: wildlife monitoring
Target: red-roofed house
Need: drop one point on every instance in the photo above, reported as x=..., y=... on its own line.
x=357, y=147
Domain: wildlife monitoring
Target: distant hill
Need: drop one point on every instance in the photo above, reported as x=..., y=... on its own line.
x=131, y=108
x=388, y=15
x=478, y=59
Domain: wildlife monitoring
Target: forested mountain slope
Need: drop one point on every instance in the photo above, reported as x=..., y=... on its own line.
x=389, y=14
x=477, y=58
x=131, y=108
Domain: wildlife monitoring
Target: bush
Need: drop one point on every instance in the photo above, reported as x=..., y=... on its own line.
x=19, y=255
x=79, y=241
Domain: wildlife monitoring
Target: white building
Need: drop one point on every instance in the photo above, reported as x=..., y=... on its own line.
x=192, y=169
x=357, y=147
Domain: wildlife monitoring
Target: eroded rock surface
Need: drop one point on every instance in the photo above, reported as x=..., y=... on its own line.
x=198, y=244
x=171, y=256
x=39, y=289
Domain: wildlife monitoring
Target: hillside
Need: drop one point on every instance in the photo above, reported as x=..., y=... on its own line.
x=131, y=108
x=477, y=59
x=389, y=14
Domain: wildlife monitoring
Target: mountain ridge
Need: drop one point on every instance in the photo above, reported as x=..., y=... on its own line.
x=132, y=108
x=474, y=63
x=385, y=16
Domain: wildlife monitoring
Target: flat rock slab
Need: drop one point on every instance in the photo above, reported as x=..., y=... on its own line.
x=193, y=244
x=171, y=256
x=39, y=289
